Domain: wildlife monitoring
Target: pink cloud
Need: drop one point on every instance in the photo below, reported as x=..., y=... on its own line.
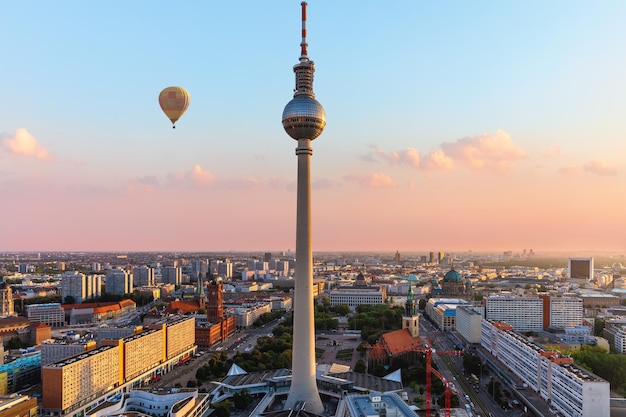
x=569, y=170
x=201, y=177
x=25, y=144
x=408, y=156
x=374, y=180
x=552, y=151
x=196, y=177
x=599, y=168
x=486, y=151
x=437, y=160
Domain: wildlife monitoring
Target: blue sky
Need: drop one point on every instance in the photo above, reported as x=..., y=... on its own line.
x=455, y=111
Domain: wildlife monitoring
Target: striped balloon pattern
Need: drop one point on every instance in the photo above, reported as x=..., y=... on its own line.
x=174, y=102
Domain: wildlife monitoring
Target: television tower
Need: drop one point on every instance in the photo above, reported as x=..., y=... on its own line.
x=304, y=120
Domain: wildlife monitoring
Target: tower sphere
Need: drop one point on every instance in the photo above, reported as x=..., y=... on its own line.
x=304, y=118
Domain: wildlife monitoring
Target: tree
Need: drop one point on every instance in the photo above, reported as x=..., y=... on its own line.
x=360, y=367
x=201, y=374
x=222, y=409
x=242, y=399
x=14, y=343
x=69, y=299
x=598, y=326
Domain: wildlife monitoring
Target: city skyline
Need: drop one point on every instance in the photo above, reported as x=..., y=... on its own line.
x=482, y=127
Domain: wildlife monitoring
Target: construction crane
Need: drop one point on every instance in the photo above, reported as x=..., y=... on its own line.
x=428, y=351
x=449, y=387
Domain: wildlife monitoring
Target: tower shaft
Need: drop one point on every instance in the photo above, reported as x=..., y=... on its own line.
x=303, y=382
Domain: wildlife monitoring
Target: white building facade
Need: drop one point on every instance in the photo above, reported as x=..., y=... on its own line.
x=524, y=313
x=568, y=389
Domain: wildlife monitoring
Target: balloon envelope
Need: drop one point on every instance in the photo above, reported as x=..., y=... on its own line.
x=174, y=101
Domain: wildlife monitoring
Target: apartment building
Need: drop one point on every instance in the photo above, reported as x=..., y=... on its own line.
x=568, y=389
x=73, y=385
x=80, y=379
x=80, y=287
x=143, y=276
x=523, y=313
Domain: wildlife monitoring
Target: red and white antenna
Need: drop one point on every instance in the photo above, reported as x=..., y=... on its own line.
x=303, y=45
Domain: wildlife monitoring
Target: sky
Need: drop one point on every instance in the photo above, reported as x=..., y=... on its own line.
x=452, y=126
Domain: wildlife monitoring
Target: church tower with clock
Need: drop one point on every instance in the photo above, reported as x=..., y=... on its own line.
x=215, y=300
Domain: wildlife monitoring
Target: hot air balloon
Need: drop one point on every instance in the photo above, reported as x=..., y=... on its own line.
x=174, y=101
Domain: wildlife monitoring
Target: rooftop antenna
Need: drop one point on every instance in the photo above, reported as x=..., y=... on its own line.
x=303, y=44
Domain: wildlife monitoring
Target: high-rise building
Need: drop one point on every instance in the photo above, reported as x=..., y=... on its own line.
x=199, y=268
x=225, y=269
x=119, y=281
x=524, y=313
x=561, y=312
x=304, y=120
x=172, y=275
x=143, y=276
x=80, y=287
x=580, y=268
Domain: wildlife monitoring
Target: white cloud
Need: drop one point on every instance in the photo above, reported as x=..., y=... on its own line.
x=24, y=144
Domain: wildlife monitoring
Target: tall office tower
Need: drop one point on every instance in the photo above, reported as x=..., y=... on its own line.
x=214, y=266
x=267, y=257
x=225, y=269
x=6, y=300
x=580, y=268
x=304, y=120
x=282, y=268
x=440, y=256
x=143, y=276
x=119, y=281
x=172, y=275
x=199, y=268
x=431, y=257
